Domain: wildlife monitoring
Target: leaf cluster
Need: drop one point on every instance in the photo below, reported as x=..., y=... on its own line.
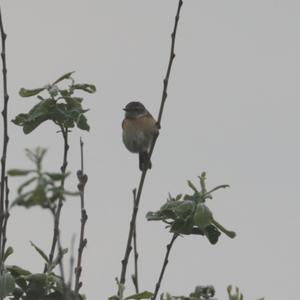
x=21, y=284
x=42, y=188
x=59, y=105
x=189, y=214
x=236, y=295
x=200, y=293
x=138, y=296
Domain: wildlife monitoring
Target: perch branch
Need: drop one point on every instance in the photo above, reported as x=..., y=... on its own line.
x=143, y=176
x=135, y=276
x=3, y=180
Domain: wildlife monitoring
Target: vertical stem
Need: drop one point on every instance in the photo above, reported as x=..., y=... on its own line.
x=63, y=168
x=143, y=176
x=3, y=181
x=166, y=260
x=82, y=241
x=72, y=261
x=6, y=216
x=135, y=276
x=171, y=58
x=130, y=235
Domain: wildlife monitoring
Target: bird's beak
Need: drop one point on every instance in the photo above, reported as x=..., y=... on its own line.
x=125, y=109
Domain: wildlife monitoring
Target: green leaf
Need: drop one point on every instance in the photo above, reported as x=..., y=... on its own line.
x=18, y=172
x=57, y=176
x=21, y=282
x=183, y=226
x=26, y=183
x=8, y=252
x=82, y=123
x=55, y=296
x=184, y=209
x=28, y=93
x=208, y=194
x=36, y=155
x=143, y=295
x=191, y=185
x=202, y=179
x=178, y=197
x=41, y=252
x=212, y=233
x=57, y=260
x=7, y=284
x=21, y=200
x=229, y=233
x=69, y=193
x=153, y=216
x=38, y=196
x=196, y=197
x=57, y=282
x=203, y=216
x=73, y=102
x=63, y=77
x=89, y=88
x=37, y=278
x=17, y=271
x=41, y=112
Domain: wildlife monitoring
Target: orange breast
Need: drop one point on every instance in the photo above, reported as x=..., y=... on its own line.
x=144, y=123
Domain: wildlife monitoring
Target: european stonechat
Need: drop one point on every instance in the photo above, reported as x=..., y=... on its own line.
x=139, y=129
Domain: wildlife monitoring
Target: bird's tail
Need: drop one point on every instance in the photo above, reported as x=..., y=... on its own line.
x=144, y=161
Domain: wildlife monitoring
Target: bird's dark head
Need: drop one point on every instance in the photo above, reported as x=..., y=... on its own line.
x=135, y=110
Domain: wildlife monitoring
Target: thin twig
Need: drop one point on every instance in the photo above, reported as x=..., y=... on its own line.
x=71, y=263
x=82, y=241
x=166, y=260
x=172, y=56
x=63, y=168
x=135, y=276
x=61, y=265
x=6, y=215
x=143, y=176
x=3, y=182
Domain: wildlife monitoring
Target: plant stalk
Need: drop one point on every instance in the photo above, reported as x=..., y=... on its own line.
x=144, y=172
x=3, y=179
x=166, y=260
x=82, y=241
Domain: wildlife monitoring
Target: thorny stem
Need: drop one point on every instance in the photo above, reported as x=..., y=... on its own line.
x=82, y=241
x=63, y=168
x=3, y=183
x=166, y=260
x=143, y=176
x=135, y=276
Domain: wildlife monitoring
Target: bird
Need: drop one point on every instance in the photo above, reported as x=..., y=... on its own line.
x=139, y=130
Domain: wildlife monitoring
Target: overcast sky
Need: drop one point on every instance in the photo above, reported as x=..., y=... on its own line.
x=232, y=110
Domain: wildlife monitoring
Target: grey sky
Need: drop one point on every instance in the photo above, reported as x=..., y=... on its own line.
x=232, y=110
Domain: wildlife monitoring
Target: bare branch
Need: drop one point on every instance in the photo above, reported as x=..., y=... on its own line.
x=3, y=180
x=143, y=176
x=166, y=260
x=72, y=261
x=135, y=276
x=82, y=241
x=63, y=168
